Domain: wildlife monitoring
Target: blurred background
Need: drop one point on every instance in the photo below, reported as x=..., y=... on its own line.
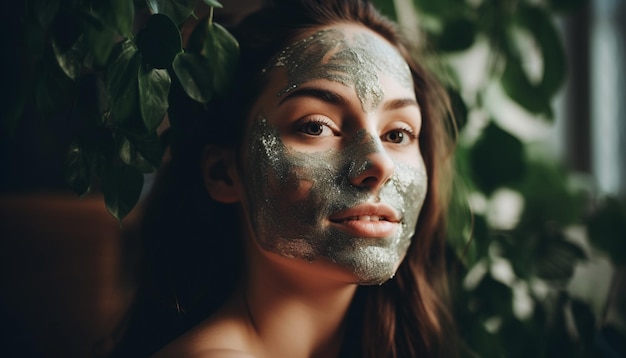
x=537, y=228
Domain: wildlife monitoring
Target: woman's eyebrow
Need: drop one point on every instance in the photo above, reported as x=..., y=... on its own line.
x=399, y=103
x=321, y=94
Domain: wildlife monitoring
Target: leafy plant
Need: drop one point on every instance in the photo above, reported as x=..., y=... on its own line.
x=129, y=52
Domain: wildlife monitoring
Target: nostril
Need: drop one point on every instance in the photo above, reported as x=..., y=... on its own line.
x=369, y=181
x=372, y=181
x=373, y=171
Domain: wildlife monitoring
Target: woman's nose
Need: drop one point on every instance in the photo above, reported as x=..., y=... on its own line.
x=372, y=167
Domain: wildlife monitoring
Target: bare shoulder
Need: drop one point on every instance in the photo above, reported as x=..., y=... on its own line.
x=218, y=337
x=216, y=353
x=224, y=353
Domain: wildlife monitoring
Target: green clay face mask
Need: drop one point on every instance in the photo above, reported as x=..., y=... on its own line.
x=293, y=196
x=355, y=62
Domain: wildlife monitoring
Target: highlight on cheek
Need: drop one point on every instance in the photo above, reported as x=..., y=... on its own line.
x=291, y=196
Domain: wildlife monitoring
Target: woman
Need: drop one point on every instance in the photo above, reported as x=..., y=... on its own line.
x=305, y=217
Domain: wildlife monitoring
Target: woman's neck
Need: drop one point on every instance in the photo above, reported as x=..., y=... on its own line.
x=296, y=309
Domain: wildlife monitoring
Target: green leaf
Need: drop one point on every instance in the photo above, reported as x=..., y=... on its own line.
x=222, y=51
x=458, y=34
x=195, y=41
x=154, y=86
x=100, y=146
x=518, y=87
x=117, y=14
x=540, y=24
x=100, y=36
x=124, y=11
x=149, y=149
x=492, y=298
x=497, y=159
x=122, y=186
x=71, y=61
x=213, y=3
x=195, y=76
x=607, y=229
x=534, y=96
x=131, y=152
x=177, y=10
x=122, y=82
x=159, y=42
x=77, y=168
x=549, y=197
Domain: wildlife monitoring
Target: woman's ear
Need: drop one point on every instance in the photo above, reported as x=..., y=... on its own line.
x=219, y=173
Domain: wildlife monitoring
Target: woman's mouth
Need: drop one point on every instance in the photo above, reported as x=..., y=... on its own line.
x=367, y=220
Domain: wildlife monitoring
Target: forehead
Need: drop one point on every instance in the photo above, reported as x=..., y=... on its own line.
x=348, y=54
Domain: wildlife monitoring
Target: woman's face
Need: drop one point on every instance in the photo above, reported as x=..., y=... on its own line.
x=331, y=168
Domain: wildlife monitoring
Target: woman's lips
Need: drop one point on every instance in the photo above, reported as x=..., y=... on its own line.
x=367, y=220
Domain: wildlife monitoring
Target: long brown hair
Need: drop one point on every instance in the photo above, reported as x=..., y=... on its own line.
x=190, y=256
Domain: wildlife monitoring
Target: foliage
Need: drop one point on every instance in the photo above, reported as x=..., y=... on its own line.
x=510, y=288
x=130, y=52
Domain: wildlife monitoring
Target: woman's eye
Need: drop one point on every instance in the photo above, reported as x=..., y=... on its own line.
x=398, y=136
x=315, y=128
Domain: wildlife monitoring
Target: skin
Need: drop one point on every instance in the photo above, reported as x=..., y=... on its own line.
x=302, y=206
x=318, y=146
